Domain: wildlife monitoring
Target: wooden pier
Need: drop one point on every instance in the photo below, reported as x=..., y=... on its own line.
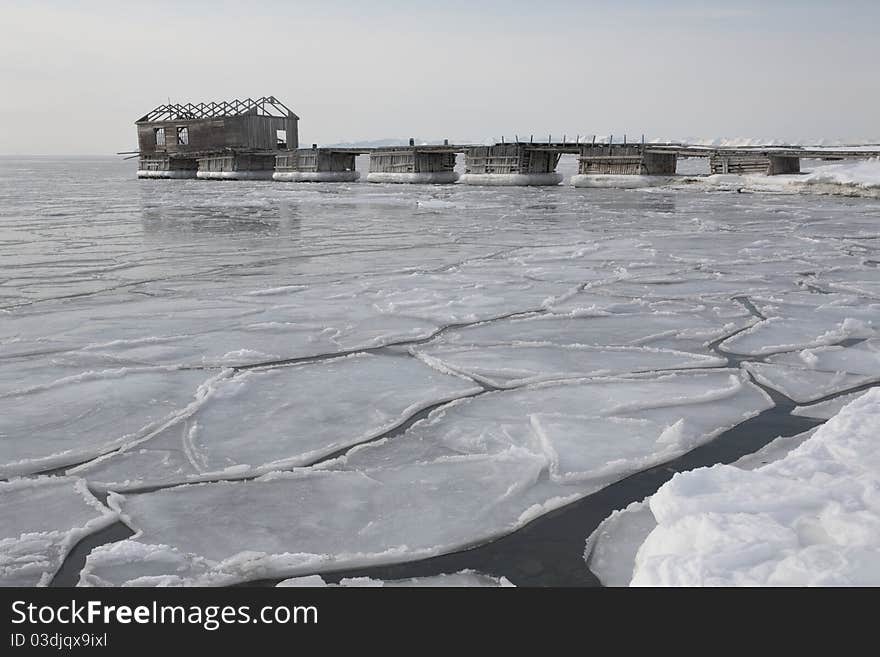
x=316, y=165
x=413, y=164
x=258, y=139
x=519, y=163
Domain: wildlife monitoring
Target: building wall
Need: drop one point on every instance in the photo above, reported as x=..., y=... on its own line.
x=246, y=132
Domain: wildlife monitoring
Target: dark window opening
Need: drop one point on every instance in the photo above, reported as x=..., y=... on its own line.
x=281, y=138
x=160, y=136
x=183, y=136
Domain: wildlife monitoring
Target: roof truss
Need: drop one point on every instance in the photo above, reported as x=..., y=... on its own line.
x=265, y=106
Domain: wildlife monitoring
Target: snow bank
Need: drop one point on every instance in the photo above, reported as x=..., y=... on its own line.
x=811, y=518
x=847, y=178
x=611, y=549
x=857, y=174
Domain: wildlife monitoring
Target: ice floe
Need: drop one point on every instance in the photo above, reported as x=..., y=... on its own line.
x=812, y=374
x=507, y=366
x=41, y=519
x=266, y=419
x=77, y=418
x=474, y=470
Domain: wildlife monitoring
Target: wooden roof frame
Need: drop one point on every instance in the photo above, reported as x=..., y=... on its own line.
x=265, y=106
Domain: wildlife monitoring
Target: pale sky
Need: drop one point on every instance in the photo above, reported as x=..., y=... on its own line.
x=76, y=75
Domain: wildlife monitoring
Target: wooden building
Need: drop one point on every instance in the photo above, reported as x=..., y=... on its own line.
x=226, y=139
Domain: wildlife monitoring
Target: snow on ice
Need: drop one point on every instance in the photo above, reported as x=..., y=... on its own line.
x=808, y=516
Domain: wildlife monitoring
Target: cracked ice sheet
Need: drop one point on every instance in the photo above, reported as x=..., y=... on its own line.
x=863, y=281
x=812, y=374
x=510, y=366
x=461, y=579
x=610, y=551
x=677, y=331
x=80, y=417
x=475, y=470
x=113, y=320
x=263, y=420
x=602, y=300
x=698, y=285
x=795, y=324
x=280, y=323
x=41, y=519
x=653, y=418
x=827, y=409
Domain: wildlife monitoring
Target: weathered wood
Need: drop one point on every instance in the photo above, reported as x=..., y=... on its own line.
x=624, y=159
x=412, y=160
x=249, y=125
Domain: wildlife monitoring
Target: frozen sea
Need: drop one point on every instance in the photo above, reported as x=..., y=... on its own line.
x=237, y=382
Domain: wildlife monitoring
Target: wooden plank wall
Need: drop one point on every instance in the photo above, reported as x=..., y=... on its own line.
x=781, y=165
x=237, y=162
x=333, y=161
x=248, y=131
x=426, y=162
x=625, y=159
x=392, y=161
x=659, y=164
x=739, y=164
x=500, y=158
x=167, y=164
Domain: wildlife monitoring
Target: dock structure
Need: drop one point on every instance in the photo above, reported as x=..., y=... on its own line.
x=317, y=165
x=723, y=162
x=598, y=160
x=766, y=160
x=235, y=140
x=518, y=163
x=413, y=164
x=259, y=140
